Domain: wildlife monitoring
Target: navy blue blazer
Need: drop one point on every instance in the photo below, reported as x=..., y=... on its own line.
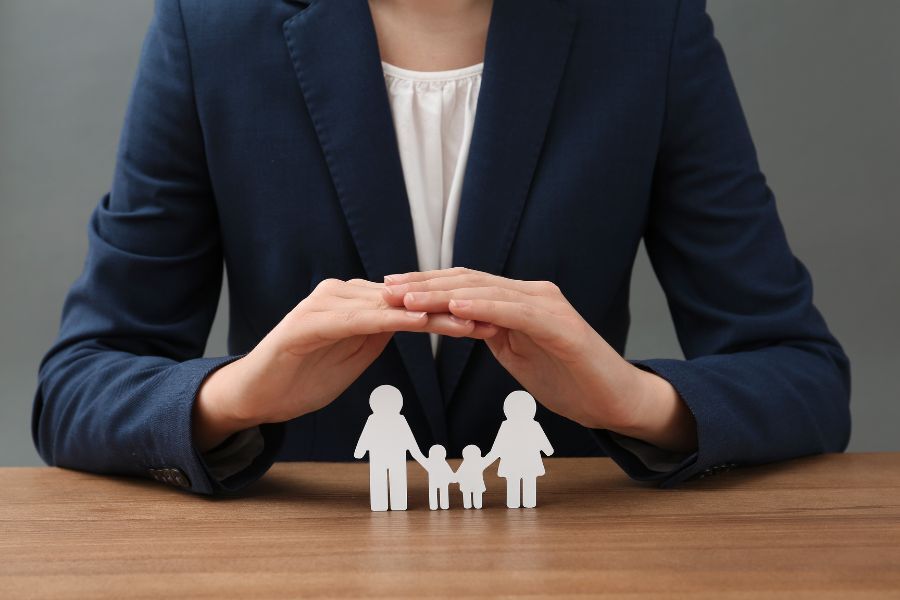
x=259, y=137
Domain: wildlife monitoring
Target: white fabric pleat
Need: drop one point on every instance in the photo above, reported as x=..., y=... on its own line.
x=433, y=112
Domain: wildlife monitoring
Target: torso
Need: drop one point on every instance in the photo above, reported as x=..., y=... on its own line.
x=277, y=202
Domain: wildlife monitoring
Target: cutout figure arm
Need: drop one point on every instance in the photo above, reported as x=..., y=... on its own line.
x=545, y=445
x=362, y=446
x=413, y=446
x=496, y=449
x=418, y=456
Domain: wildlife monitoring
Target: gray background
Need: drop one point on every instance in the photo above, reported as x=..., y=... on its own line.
x=820, y=83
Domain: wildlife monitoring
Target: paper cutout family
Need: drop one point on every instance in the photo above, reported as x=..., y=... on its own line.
x=387, y=438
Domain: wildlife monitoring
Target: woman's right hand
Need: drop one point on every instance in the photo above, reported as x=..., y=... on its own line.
x=308, y=359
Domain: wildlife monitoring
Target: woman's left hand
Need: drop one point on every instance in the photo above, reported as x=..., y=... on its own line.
x=539, y=337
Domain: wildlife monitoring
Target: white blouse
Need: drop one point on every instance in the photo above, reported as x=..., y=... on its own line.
x=433, y=113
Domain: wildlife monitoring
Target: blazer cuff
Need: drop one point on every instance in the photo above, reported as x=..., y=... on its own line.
x=178, y=438
x=709, y=457
x=234, y=454
x=247, y=460
x=640, y=467
x=653, y=457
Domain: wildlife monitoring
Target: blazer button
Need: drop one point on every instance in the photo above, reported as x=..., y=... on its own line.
x=170, y=475
x=180, y=479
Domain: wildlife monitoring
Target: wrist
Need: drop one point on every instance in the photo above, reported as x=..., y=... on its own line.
x=660, y=415
x=216, y=413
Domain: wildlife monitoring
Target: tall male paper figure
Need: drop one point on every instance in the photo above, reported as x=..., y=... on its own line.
x=387, y=438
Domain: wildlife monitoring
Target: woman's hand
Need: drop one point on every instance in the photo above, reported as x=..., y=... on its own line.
x=308, y=359
x=536, y=334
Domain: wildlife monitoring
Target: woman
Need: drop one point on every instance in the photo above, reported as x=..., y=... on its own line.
x=296, y=142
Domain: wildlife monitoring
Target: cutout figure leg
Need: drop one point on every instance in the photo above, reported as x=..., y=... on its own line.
x=476, y=499
x=445, y=497
x=529, y=492
x=467, y=500
x=512, y=492
x=397, y=479
x=378, y=491
x=432, y=497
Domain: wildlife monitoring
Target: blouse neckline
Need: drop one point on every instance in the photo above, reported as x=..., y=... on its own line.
x=447, y=75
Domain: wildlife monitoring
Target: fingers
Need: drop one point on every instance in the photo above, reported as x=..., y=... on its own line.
x=365, y=283
x=398, y=287
x=338, y=310
x=465, y=280
x=331, y=294
x=453, y=326
x=438, y=301
x=340, y=304
x=346, y=289
x=534, y=321
x=423, y=275
x=514, y=303
x=332, y=325
x=319, y=327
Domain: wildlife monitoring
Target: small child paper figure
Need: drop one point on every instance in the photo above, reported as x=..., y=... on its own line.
x=470, y=476
x=387, y=438
x=440, y=476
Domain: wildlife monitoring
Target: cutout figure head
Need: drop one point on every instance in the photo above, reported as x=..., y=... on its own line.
x=386, y=399
x=471, y=452
x=437, y=451
x=519, y=406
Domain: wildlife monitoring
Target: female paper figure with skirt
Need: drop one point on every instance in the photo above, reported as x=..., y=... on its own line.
x=518, y=445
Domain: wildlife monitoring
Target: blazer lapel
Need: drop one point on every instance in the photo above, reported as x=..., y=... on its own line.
x=527, y=46
x=335, y=54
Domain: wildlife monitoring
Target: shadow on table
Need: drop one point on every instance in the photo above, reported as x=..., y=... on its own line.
x=599, y=488
x=750, y=476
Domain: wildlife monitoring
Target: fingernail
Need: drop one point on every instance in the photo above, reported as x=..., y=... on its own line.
x=415, y=314
x=393, y=278
x=460, y=303
x=460, y=321
x=396, y=290
x=410, y=297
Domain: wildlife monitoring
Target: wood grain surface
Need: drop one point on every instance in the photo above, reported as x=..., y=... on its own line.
x=819, y=527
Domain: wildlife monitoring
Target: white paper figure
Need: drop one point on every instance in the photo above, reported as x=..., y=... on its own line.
x=440, y=476
x=387, y=438
x=518, y=445
x=470, y=476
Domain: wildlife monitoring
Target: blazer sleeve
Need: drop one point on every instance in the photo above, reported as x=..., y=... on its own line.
x=116, y=391
x=762, y=375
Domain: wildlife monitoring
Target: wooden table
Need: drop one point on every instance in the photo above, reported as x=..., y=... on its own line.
x=820, y=527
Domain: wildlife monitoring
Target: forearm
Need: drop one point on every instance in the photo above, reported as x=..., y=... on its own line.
x=786, y=400
x=109, y=411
